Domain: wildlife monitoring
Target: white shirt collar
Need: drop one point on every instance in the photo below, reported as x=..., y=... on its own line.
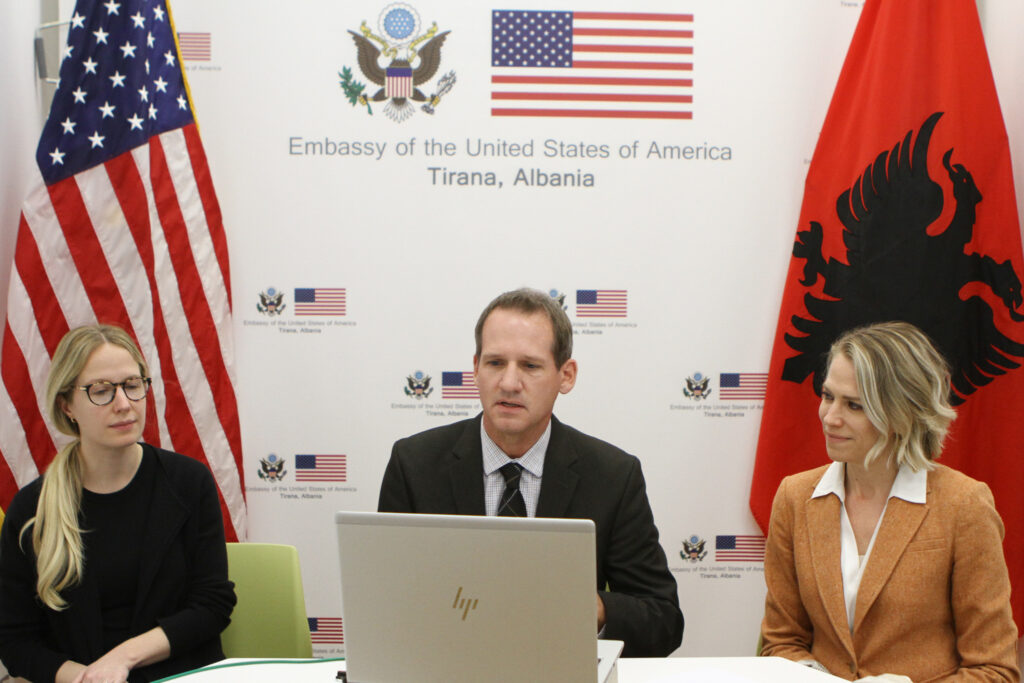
x=532, y=460
x=831, y=482
x=909, y=485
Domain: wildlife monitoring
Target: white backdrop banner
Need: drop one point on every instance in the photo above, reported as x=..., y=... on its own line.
x=374, y=205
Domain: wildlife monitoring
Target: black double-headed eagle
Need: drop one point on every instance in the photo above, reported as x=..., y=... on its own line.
x=900, y=265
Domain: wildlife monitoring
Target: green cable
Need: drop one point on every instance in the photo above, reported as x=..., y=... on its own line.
x=261, y=661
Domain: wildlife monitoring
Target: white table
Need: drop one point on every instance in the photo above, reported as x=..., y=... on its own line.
x=719, y=670
x=669, y=670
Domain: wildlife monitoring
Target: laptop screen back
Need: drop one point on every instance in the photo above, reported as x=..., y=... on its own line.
x=460, y=598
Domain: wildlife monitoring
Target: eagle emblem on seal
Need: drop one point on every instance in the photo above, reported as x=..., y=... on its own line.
x=697, y=387
x=271, y=468
x=693, y=549
x=400, y=59
x=271, y=302
x=418, y=385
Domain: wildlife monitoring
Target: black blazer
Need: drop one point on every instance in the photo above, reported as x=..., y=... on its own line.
x=440, y=471
x=183, y=585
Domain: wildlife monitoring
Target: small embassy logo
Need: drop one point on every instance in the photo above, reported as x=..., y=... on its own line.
x=697, y=388
x=693, y=549
x=418, y=385
x=271, y=302
x=271, y=468
x=399, y=24
x=465, y=604
x=559, y=297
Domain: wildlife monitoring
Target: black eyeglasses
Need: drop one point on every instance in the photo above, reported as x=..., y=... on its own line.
x=102, y=393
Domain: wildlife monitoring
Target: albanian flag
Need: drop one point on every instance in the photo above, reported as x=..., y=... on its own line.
x=909, y=213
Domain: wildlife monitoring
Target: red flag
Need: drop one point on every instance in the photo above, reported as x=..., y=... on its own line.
x=909, y=213
x=122, y=226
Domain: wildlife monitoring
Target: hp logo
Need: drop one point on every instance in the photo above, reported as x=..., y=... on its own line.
x=465, y=604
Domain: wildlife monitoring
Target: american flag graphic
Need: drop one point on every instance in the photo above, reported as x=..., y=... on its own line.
x=742, y=386
x=634, y=65
x=458, y=385
x=122, y=225
x=601, y=303
x=321, y=468
x=398, y=81
x=320, y=301
x=195, y=46
x=326, y=630
x=739, y=548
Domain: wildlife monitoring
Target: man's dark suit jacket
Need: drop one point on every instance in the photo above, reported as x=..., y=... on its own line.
x=440, y=471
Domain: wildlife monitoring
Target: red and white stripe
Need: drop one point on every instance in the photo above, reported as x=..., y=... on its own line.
x=137, y=242
x=398, y=86
x=195, y=46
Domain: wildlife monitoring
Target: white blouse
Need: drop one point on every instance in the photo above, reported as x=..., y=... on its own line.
x=909, y=485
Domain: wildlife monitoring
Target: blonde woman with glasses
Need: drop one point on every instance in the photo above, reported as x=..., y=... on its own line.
x=112, y=564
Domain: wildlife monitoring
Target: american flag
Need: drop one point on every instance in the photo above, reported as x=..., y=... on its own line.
x=320, y=468
x=591, y=64
x=742, y=386
x=458, y=385
x=326, y=630
x=739, y=548
x=195, y=46
x=320, y=301
x=122, y=226
x=601, y=303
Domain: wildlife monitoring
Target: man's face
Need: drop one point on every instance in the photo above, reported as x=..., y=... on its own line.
x=518, y=378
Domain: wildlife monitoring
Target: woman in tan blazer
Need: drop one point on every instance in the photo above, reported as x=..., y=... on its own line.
x=885, y=563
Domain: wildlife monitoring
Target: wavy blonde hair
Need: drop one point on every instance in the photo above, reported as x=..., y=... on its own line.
x=904, y=386
x=56, y=535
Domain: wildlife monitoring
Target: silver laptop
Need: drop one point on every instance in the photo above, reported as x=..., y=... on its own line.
x=458, y=598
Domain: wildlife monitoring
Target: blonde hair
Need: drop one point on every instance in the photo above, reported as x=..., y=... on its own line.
x=904, y=387
x=56, y=536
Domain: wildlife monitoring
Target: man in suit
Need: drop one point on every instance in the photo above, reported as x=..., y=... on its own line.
x=522, y=362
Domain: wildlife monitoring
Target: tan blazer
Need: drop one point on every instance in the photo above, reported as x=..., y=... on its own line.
x=934, y=600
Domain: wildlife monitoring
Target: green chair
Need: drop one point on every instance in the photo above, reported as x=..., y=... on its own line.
x=269, y=619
